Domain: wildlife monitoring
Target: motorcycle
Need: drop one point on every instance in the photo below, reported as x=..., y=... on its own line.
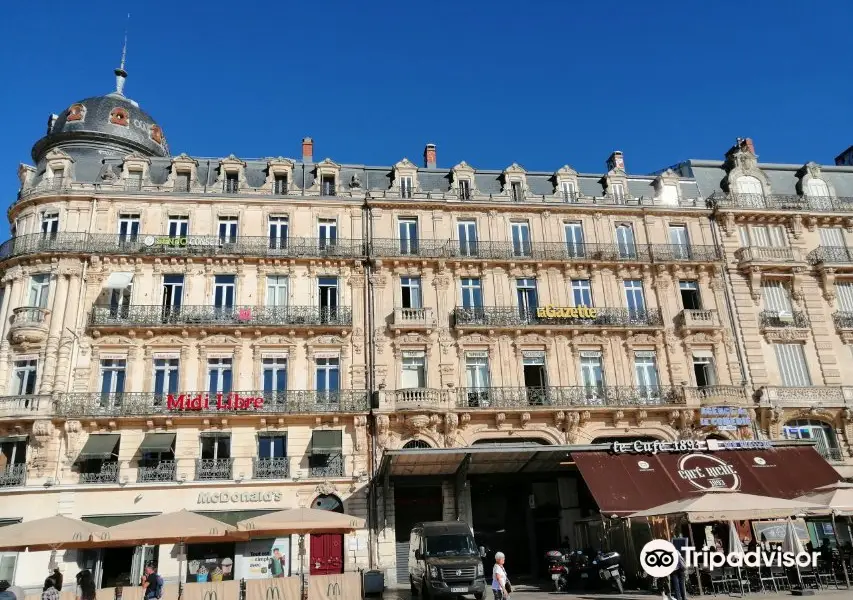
x=609, y=569
x=556, y=561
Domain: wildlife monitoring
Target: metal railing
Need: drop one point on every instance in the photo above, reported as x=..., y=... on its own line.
x=212, y=469
x=783, y=202
x=843, y=319
x=510, y=316
x=773, y=254
x=192, y=245
x=833, y=255
x=163, y=470
x=231, y=316
x=686, y=253
x=108, y=473
x=697, y=318
x=326, y=465
x=271, y=468
x=29, y=315
x=413, y=317
x=773, y=318
x=130, y=404
x=13, y=475
x=580, y=396
x=830, y=452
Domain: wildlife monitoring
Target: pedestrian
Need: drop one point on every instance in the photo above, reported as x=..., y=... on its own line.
x=678, y=585
x=153, y=586
x=49, y=591
x=10, y=592
x=277, y=563
x=57, y=578
x=85, y=585
x=501, y=587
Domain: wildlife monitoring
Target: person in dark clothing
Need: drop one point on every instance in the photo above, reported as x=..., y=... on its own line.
x=153, y=583
x=678, y=585
x=57, y=578
x=86, y=585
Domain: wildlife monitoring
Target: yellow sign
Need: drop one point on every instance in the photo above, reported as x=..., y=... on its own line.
x=566, y=312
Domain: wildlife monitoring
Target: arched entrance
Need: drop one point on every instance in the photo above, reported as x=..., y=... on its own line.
x=822, y=433
x=327, y=549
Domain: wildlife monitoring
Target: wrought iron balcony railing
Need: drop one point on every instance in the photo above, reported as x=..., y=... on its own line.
x=576, y=396
x=231, y=316
x=163, y=470
x=830, y=255
x=769, y=254
x=510, y=316
x=24, y=406
x=685, y=253
x=413, y=317
x=95, y=404
x=213, y=469
x=108, y=473
x=326, y=465
x=843, y=319
x=773, y=318
x=13, y=475
x=271, y=468
x=783, y=202
x=193, y=245
x=388, y=248
x=830, y=452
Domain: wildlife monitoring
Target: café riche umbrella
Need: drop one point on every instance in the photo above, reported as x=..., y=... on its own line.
x=730, y=506
x=50, y=533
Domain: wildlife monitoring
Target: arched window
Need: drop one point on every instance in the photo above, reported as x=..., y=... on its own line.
x=821, y=433
x=416, y=444
x=328, y=502
x=817, y=188
x=750, y=187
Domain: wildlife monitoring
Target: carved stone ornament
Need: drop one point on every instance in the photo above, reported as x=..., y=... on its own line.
x=499, y=419
x=417, y=423
x=524, y=419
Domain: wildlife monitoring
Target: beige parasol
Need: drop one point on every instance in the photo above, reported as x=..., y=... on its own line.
x=301, y=521
x=49, y=534
x=837, y=499
x=166, y=527
x=731, y=506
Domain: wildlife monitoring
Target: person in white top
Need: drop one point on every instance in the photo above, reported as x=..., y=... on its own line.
x=500, y=581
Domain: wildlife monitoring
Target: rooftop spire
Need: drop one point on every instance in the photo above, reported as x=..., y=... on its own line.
x=121, y=74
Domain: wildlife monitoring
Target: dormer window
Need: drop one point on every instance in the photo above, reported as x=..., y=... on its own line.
x=749, y=186
x=280, y=185
x=182, y=181
x=517, y=191
x=328, y=185
x=617, y=191
x=406, y=187
x=134, y=180
x=58, y=176
x=231, y=183
x=567, y=189
x=669, y=194
x=817, y=188
x=464, y=189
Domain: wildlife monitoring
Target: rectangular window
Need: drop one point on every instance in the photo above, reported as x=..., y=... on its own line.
x=472, y=292
x=703, y=370
x=792, y=365
x=690, y=298
x=617, y=191
x=8, y=562
x=535, y=377
x=120, y=301
x=768, y=237
x=231, y=183
x=134, y=180
x=410, y=288
x=228, y=230
x=280, y=185
x=413, y=371
x=113, y=374
x=525, y=292
x=680, y=241
x=173, y=291
x=635, y=299
x=464, y=189
x=215, y=447
x=520, y=231
x=592, y=374
x=776, y=296
x=182, y=181
x=274, y=377
x=844, y=292
x=24, y=377
x=328, y=185
x=575, y=239
x=832, y=237
x=165, y=377
x=328, y=293
x=581, y=292
x=179, y=227
x=408, y=236
x=49, y=223
x=625, y=243
x=669, y=195
x=128, y=228
x=277, y=290
x=272, y=446
x=277, y=229
x=646, y=371
x=58, y=176
x=39, y=290
x=224, y=291
x=328, y=378
x=467, y=231
x=476, y=370
x=219, y=375
x=517, y=191
x=12, y=452
x=406, y=187
x=567, y=189
x=327, y=233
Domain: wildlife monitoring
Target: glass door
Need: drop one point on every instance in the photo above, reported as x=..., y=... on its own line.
x=328, y=379
x=592, y=377
x=219, y=376
x=625, y=243
x=224, y=292
x=274, y=379
x=327, y=233
x=328, y=292
x=646, y=370
x=525, y=290
x=521, y=239
x=467, y=238
x=635, y=299
x=477, y=379
x=277, y=230
x=165, y=379
x=574, y=240
x=679, y=241
x=178, y=227
x=535, y=378
x=173, y=295
x=408, y=236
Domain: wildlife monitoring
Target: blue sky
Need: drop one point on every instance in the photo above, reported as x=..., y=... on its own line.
x=544, y=83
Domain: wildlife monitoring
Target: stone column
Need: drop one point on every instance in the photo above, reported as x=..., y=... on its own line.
x=57, y=318
x=66, y=337
x=5, y=314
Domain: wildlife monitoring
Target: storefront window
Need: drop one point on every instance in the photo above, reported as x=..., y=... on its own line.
x=210, y=562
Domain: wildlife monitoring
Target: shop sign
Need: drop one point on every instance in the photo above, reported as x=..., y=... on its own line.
x=566, y=312
x=254, y=559
x=220, y=402
x=225, y=497
x=724, y=418
x=656, y=447
x=165, y=241
x=708, y=473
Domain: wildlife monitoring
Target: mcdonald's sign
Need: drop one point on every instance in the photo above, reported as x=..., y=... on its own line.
x=272, y=593
x=334, y=590
x=210, y=595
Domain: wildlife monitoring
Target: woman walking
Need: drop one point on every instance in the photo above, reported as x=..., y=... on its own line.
x=501, y=587
x=86, y=585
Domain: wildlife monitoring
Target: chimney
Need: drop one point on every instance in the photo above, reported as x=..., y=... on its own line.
x=307, y=150
x=429, y=156
x=616, y=161
x=746, y=145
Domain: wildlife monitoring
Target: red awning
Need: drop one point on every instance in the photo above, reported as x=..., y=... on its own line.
x=627, y=483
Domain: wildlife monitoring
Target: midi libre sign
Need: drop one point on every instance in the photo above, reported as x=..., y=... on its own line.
x=566, y=312
x=232, y=402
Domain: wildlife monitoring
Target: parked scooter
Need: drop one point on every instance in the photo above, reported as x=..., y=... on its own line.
x=610, y=569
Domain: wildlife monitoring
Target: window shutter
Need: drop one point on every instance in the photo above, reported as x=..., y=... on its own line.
x=845, y=296
x=792, y=365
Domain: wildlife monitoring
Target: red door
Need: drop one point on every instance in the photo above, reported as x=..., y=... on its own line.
x=327, y=553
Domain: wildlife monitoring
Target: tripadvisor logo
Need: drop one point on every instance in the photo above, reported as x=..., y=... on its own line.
x=659, y=558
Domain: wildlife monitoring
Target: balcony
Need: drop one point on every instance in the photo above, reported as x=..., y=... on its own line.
x=568, y=397
x=24, y=407
x=697, y=320
x=412, y=318
x=843, y=322
x=772, y=319
x=13, y=475
x=108, y=473
x=679, y=253
x=549, y=317
x=768, y=256
x=779, y=202
x=803, y=397
x=29, y=325
x=419, y=398
x=271, y=468
x=213, y=469
x=137, y=404
x=326, y=465
x=190, y=245
x=718, y=395
x=508, y=251
x=161, y=471
x=150, y=316
x=830, y=255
